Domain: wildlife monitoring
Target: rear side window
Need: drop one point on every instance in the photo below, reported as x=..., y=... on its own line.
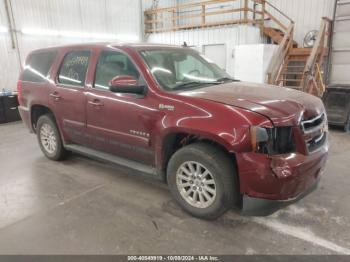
x=73, y=68
x=38, y=67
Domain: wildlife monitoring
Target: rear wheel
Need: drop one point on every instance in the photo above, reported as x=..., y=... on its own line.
x=203, y=180
x=49, y=138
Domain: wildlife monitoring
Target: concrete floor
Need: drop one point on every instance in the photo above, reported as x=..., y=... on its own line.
x=81, y=206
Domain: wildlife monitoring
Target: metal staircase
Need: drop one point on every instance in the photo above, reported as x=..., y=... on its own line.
x=300, y=68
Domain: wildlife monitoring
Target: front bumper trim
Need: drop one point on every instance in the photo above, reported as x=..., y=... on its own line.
x=263, y=207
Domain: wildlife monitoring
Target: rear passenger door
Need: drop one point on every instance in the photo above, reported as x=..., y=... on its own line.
x=67, y=95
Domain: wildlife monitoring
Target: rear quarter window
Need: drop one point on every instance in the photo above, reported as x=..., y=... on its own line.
x=38, y=66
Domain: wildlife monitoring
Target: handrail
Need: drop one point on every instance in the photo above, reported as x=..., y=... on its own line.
x=315, y=49
x=276, y=20
x=279, y=11
x=317, y=52
x=319, y=77
x=233, y=10
x=280, y=55
x=184, y=6
x=172, y=18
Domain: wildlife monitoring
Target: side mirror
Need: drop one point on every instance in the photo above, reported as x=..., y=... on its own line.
x=126, y=84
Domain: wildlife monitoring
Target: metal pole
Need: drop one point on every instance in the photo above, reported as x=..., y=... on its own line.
x=12, y=29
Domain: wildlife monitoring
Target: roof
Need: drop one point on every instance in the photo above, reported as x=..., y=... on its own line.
x=137, y=46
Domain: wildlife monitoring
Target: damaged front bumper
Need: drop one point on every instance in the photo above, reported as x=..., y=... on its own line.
x=263, y=207
x=268, y=183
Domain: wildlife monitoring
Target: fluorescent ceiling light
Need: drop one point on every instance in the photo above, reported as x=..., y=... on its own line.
x=3, y=29
x=74, y=34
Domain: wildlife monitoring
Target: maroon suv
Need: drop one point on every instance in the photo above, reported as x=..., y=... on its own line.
x=172, y=114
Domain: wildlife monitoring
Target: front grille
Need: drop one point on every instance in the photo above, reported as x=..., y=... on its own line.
x=316, y=142
x=313, y=129
x=313, y=123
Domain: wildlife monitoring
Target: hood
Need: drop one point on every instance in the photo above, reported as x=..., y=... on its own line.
x=283, y=106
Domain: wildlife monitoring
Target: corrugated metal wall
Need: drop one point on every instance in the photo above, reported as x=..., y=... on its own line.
x=121, y=18
x=306, y=14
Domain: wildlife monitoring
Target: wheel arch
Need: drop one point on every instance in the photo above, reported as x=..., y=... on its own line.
x=175, y=140
x=36, y=111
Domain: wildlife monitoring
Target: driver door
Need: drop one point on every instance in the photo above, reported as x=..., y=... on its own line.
x=119, y=123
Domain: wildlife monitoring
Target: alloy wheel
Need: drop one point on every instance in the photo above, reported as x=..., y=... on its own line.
x=48, y=138
x=196, y=184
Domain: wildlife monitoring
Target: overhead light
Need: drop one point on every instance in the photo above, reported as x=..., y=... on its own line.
x=75, y=34
x=3, y=29
x=35, y=31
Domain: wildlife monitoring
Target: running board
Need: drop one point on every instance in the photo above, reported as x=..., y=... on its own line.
x=111, y=158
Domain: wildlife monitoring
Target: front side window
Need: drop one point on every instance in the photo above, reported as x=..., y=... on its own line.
x=74, y=67
x=181, y=69
x=38, y=66
x=111, y=64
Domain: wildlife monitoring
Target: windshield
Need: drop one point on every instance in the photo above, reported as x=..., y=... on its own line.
x=181, y=69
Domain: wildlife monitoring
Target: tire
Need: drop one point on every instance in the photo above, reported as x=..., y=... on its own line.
x=216, y=166
x=47, y=131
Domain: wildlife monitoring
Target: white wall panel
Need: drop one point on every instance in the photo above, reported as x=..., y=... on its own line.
x=121, y=18
x=251, y=62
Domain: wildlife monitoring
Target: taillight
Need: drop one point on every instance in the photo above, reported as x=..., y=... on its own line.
x=19, y=91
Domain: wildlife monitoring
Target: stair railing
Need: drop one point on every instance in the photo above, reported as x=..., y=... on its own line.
x=314, y=62
x=209, y=13
x=319, y=80
x=279, y=57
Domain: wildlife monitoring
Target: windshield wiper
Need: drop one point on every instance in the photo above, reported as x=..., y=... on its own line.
x=195, y=83
x=224, y=79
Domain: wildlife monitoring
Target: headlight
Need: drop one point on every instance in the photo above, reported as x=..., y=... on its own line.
x=272, y=141
x=259, y=138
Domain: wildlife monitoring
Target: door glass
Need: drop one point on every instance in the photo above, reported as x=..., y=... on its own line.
x=74, y=67
x=112, y=64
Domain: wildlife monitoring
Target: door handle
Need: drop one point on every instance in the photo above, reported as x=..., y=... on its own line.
x=55, y=96
x=95, y=102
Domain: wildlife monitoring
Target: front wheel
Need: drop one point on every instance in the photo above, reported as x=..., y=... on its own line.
x=203, y=180
x=49, y=138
